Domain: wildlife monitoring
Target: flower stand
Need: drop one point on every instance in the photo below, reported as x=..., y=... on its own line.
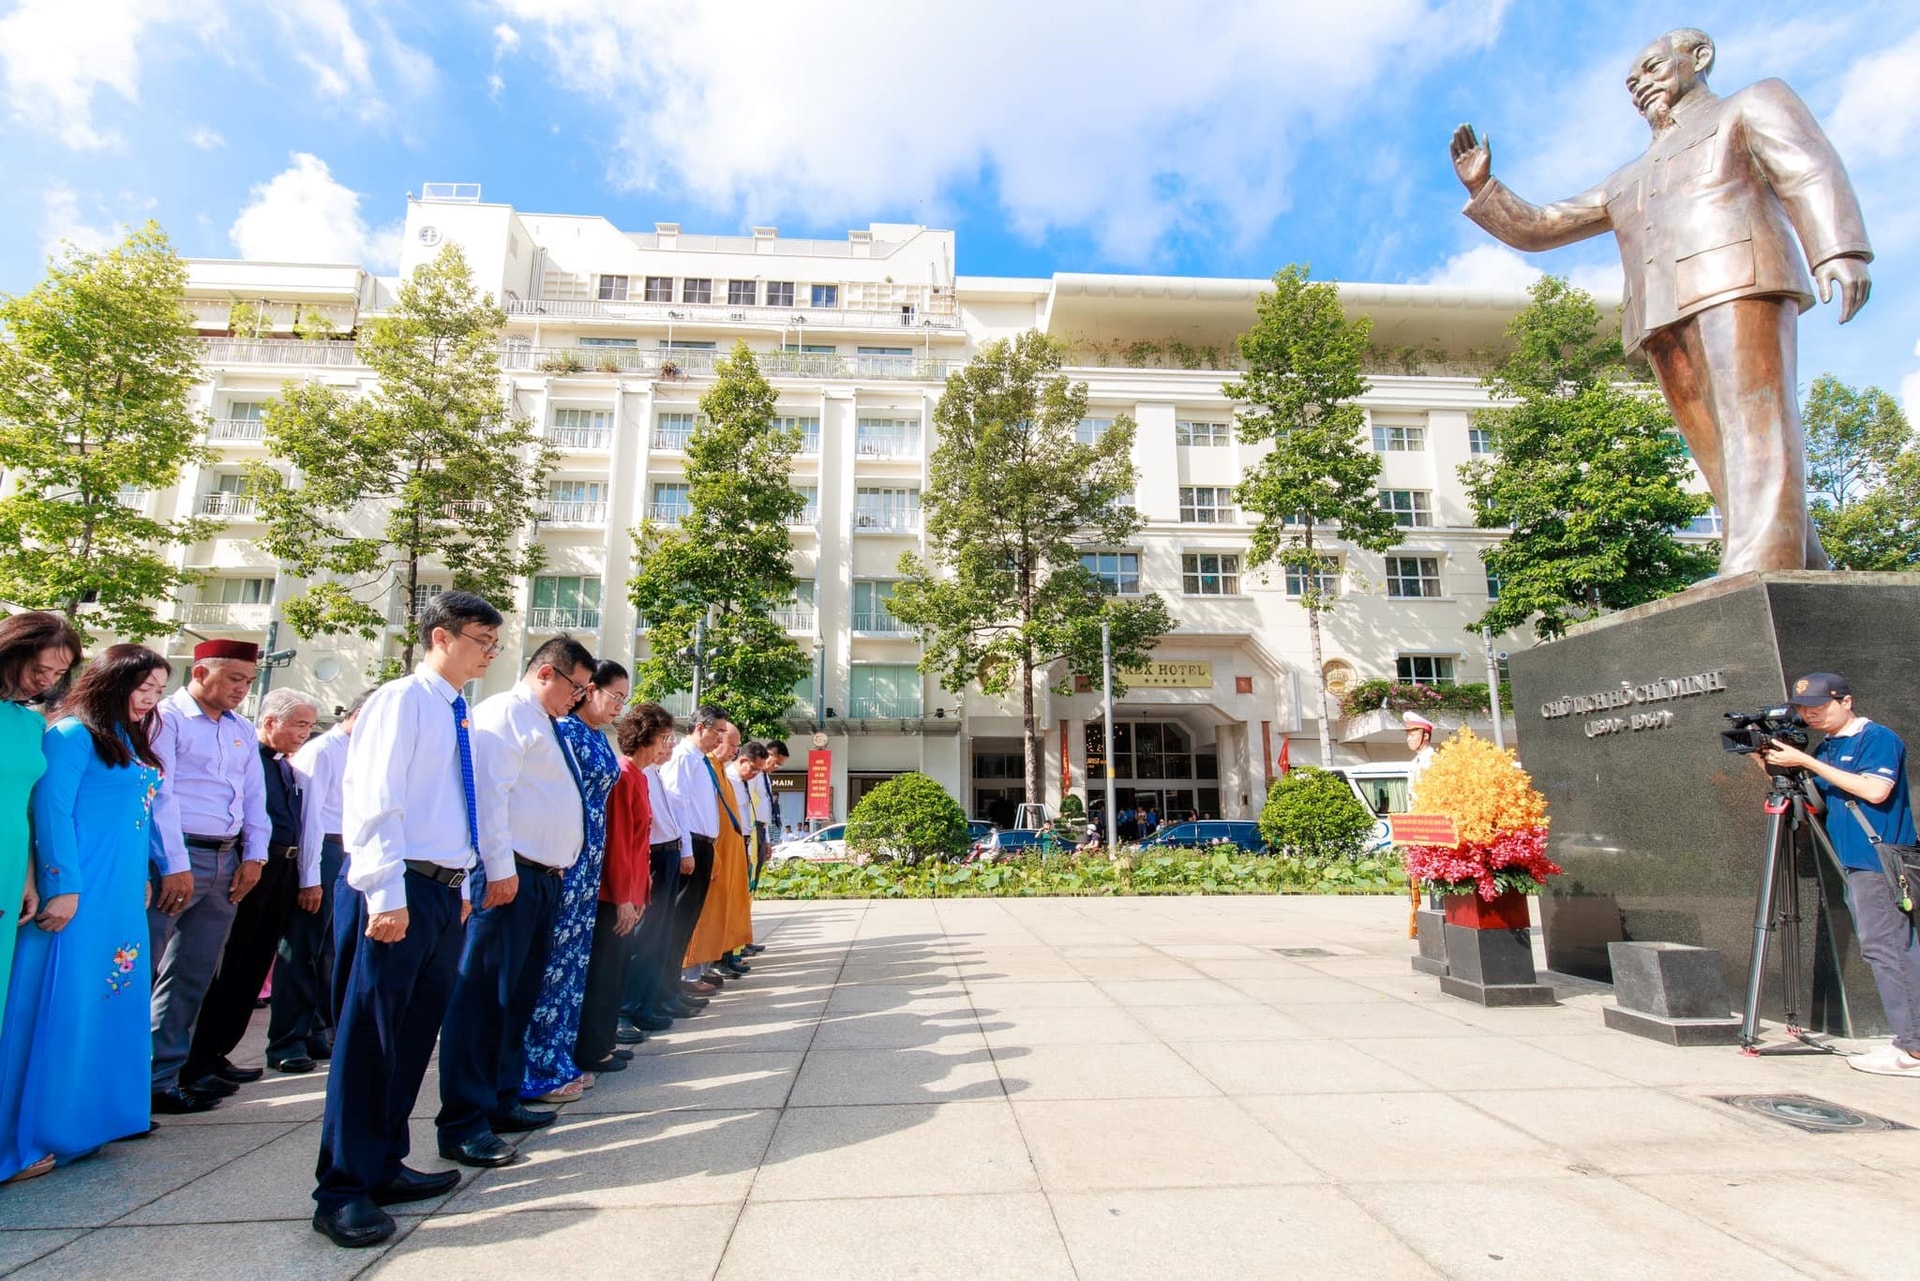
x=1490, y=956
x=1431, y=930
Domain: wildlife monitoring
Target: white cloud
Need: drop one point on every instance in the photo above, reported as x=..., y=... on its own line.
x=1489, y=267
x=505, y=41
x=56, y=55
x=1182, y=121
x=62, y=224
x=206, y=139
x=303, y=214
x=1878, y=114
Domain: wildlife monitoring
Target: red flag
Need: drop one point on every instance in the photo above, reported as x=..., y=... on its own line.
x=1284, y=766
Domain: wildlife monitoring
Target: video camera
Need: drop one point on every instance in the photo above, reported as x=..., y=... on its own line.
x=1754, y=731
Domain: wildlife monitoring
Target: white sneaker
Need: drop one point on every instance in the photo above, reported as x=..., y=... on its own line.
x=1889, y=1060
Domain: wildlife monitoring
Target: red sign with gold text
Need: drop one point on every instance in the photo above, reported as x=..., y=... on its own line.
x=1422, y=829
x=819, y=786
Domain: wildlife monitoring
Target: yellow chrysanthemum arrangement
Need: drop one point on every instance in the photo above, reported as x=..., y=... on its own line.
x=1499, y=818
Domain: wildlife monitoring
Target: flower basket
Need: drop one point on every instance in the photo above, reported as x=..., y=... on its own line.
x=1504, y=911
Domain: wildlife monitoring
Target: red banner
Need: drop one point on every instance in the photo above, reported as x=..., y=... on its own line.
x=1422, y=829
x=819, y=786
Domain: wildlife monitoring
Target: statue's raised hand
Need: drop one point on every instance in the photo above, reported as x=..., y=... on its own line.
x=1472, y=159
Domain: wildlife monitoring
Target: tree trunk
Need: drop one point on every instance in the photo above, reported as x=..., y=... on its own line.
x=1029, y=736
x=410, y=610
x=1320, y=683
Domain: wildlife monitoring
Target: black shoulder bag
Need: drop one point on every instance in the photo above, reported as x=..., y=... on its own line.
x=1900, y=863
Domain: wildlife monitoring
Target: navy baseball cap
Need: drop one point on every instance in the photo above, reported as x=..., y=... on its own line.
x=1816, y=688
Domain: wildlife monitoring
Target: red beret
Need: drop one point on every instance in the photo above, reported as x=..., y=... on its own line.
x=245, y=651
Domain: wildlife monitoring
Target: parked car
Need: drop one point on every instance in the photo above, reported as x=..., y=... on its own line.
x=979, y=829
x=1020, y=840
x=1241, y=835
x=828, y=845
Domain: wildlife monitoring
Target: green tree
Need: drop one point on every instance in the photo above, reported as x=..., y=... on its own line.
x=1313, y=814
x=97, y=369
x=907, y=819
x=1863, y=474
x=1319, y=481
x=1013, y=499
x=432, y=465
x=730, y=561
x=1588, y=475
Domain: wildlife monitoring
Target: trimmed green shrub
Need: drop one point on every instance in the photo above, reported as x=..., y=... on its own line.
x=1314, y=815
x=1134, y=872
x=908, y=819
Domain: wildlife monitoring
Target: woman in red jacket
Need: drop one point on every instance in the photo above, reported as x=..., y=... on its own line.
x=644, y=734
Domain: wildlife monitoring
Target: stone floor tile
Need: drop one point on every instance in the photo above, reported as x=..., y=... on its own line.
x=1582, y=1229
x=1375, y=1016
x=1188, y=991
x=1096, y=1071
x=1482, y=1063
x=709, y=1080
x=1303, y=989
x=1086, y=1145
x=1250, y=1022
x=1365, y=1137
x=950, y=1070
x=1073, y=1025
x=1815, y=1220
x=124, y=1176
x=917, y=1238
x=21, y=1246
x=282, y=1251
x=1294, y=1067
x=671, y=1243
x=1207, y=1234
x=1001, y=995
x=910, y=1150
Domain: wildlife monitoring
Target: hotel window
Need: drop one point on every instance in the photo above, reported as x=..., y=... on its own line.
x=1118, y=572
x=743, y=293
x=241, y=591
x=1324, y=578
x=779, y=293
x=810, y=514
x=564, y=603
x=1206, y=505
x=1210, y=574
x=669, y=505
x=870, y=612
x=886, y=438
x=613, y=289
x=659, y=288
x=1413, y=577
x=1399, y=440
x=1709, y=523
x=885, y=690
x=1479, y=441
x=809, y=431
x=673, y=431
x=1412, y=508
x=581, y=428
x=885, y=509
x=694, y=290
x=1091, y=430
x=626, y=344
x=826, y=295
x=1204, y=434
x=576, y=501
x=1426, y=669
x=1493, y=585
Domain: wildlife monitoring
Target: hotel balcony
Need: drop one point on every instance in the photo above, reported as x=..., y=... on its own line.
x=796, y=618
x=216, y=616
x=886, y=522
x=586, y=438
x=571, y=619
x=555, y=512
x=880, y=623
x=668, y=514
x=237, y=506
x=246, y=430
x=893, y=320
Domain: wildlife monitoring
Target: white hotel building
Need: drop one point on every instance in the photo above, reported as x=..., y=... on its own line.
x=610, y=340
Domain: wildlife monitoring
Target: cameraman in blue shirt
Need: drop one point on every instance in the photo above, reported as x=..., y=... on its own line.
x=1865, y=763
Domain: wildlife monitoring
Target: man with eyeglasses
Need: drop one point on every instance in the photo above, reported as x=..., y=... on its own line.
x=528, y=840
x=410, y=820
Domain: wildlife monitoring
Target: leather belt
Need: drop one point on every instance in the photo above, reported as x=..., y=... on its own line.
x=335, y=837
x=217, y=844
x=532, y=866
x=664, y=848
x=451, y=877
x=283, y=851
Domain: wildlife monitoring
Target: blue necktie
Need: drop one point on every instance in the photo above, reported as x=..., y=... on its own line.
x=466, y=772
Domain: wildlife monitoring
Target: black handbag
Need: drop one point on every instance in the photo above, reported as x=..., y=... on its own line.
x=1900, y=863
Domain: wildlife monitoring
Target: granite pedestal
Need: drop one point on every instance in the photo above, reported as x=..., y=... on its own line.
x=1492, y=967
x=1431, y=926
x=1661, y=832
x=1670, y=992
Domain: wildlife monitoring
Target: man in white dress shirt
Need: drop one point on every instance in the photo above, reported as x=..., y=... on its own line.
x=410, y=820
x=529, y=837
x=302, y=1007
x=692, y=790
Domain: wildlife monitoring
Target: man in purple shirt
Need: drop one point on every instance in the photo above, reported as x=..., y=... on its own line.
x=210, y=824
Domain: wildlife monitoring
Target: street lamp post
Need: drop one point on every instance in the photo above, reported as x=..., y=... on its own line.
x=1493, y=690
x=1106, y=724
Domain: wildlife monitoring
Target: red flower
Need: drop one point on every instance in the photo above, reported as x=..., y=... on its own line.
x=1477, y=861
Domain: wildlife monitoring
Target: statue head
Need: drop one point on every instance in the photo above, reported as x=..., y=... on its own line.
x=1667, y=71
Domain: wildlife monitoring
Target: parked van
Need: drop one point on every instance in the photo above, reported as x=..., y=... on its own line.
x=1384, y=788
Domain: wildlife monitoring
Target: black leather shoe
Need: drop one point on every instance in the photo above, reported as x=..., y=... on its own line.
x=355, y=1225
x=687, y=1007
x=753, y=949
x=736, y=968
x=415, y=1185
x=293, y=1064
x=182, y=1102
x=628, y=1034
x=319, y=1048
x=483, y=1151
x=609, y=1064
x=625, y=1056
x=212, y=1086
x=237, y=1075
x=651, y=1022
x=521, y=1119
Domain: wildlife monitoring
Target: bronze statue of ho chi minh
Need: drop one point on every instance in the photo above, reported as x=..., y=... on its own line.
x=1706, y=221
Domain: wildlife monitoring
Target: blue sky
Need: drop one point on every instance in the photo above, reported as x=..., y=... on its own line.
x=1211, y=138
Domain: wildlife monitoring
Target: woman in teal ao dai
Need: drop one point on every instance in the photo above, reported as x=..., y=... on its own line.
x=36, y=649
x=76, y=1044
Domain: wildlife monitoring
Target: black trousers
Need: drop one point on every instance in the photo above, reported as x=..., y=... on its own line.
x=392, y=997
x=300, y=1011
x=600, y=1003
x=259, y=922
x=483, y=1044
x=652, y=977
x=689, y=897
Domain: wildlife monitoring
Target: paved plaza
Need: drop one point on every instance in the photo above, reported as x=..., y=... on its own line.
x=1093, y=1088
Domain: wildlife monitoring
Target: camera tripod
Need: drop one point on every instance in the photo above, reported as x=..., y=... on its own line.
x=1791, y=806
